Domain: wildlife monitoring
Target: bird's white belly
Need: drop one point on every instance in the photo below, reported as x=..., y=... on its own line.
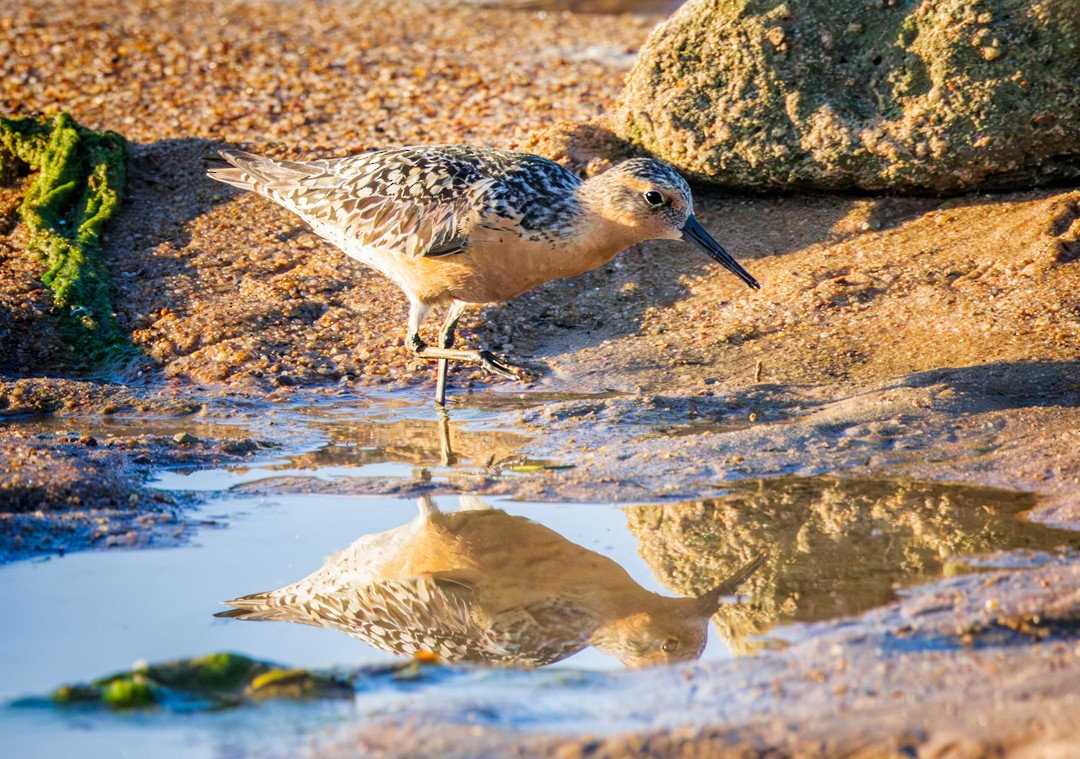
x=388, y=263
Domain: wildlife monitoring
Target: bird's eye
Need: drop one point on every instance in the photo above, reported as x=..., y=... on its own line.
x=671, y=645
x=653, y=198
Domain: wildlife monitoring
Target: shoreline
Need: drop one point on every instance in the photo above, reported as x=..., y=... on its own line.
x=894, y=337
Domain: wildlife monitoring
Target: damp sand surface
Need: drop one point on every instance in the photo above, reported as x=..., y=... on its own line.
x=904, y=340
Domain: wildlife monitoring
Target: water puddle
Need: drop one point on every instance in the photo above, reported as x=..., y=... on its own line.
x=332, y=581
x=482, y=586
x=509, y=400
x=386, y=444
x=122, y=426
x=157, y=605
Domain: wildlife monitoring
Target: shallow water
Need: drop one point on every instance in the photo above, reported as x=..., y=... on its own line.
x=834, y=547
x=88, y=614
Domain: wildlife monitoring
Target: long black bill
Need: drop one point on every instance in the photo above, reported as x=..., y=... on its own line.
x=695, y=234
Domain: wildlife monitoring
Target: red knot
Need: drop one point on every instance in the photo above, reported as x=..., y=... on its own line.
x=482, y=586
x=455, y=225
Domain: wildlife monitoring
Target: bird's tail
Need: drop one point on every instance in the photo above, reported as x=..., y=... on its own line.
x=259, y=606
x=256, y=173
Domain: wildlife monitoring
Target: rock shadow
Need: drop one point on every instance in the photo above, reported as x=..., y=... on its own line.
x=611, y=301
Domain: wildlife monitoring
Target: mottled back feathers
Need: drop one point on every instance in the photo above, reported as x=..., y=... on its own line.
x=417, y=201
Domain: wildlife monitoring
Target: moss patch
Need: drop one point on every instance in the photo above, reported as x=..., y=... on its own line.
x=296, y=684
x=78, y=188
x=217, y=681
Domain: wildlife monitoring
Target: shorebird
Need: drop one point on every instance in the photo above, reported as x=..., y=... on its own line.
x=482, y=586
x=454, y=225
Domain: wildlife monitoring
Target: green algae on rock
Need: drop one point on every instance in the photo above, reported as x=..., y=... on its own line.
x=217, y=681
x=78, y=188
x=942, y=97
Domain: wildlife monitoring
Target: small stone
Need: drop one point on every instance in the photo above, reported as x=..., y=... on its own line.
x=185, y=438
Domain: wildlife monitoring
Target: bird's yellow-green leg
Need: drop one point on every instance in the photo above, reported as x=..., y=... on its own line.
x=446, y=340
x=420, y=349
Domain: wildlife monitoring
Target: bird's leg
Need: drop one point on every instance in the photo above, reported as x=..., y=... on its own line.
x=420, y=349
x=449, y=458
x=446, y=340
x=447, y=333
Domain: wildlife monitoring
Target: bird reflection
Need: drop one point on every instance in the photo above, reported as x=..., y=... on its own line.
x=484, y=587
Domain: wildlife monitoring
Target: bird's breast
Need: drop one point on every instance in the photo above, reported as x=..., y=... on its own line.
x=490, y=270
x=505, y=269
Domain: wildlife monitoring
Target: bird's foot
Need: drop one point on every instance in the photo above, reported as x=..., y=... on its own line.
x=496, y=365
x=484, y=358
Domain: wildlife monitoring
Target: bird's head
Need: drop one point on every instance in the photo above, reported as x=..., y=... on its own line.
x=668, y=630
x=653, y=201
x=648, y=639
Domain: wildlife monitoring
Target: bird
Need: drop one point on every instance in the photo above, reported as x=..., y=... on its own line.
x=480, y=586
x=457, y=225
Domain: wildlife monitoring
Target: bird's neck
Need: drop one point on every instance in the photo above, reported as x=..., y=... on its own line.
x=599, y=234
x=599, y=240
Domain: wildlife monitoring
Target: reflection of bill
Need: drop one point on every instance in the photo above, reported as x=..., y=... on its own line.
x=481, y=586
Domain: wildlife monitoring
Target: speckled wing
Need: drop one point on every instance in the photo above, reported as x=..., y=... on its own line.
x=430, y=615
x=411, y=201
x=414, y=201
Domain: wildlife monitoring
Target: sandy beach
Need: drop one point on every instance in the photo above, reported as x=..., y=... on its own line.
x=893, y=336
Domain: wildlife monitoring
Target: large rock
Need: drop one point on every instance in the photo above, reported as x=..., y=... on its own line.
x=938, y=97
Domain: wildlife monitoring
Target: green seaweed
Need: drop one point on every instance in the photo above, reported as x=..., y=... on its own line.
x=296, y=684
x=226, y=670
x=218, y=672
x=78, y=188
x=128, y=693
x=75, y=694
x=217, y=681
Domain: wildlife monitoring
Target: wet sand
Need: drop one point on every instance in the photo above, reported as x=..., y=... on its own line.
x=920, y=337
